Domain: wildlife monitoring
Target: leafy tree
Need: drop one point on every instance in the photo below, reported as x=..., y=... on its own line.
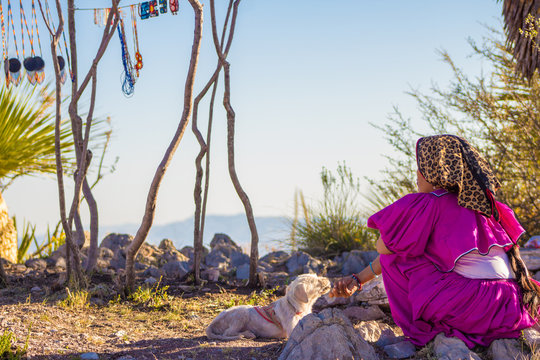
x=498, y=112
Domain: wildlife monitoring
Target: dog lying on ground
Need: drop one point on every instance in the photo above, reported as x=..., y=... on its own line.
x=276, y=320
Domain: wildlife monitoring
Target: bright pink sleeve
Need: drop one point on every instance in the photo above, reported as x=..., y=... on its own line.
x=509, y=222
x=406, y=225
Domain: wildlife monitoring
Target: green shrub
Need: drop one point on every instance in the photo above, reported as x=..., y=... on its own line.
x=75, y=300
x=154, y=296
x=335, y=224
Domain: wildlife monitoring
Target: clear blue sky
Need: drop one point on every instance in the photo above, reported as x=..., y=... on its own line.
x=307, y=78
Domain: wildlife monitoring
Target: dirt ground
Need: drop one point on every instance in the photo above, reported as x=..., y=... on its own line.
x=159, y=324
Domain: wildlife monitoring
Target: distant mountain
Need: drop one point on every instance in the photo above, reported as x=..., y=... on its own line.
x=271, y=229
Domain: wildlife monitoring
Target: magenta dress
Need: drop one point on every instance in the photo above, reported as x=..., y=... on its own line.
x=428, y=233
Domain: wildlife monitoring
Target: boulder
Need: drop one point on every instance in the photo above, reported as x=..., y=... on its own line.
x=400, y=350
x=275, y=258
x=302, y=263
x=326, y=301
x=152, y=271
x=505, y=349
x=352, y=262
x=8, y=234
x=189, y=252
x=223, y=240
x=176, y=269
x=106, y=253
x=148, y=254
x=166, y=245
x=211, y=274
x=371, y=330
x=388, y=337
x=360, y=313
x=532, y=337
x=327, y=335
x=172, y=255
x=225, y=254
x=36, y=264
x=373, y=292
x=452, y=348
x=116, y=242
x=242, y=272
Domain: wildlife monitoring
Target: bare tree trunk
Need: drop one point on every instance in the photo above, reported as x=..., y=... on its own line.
x=74, y=275
x=94, y=227
x=83, y=155
x=149, y=213
x=200, y=209
x=254, y=255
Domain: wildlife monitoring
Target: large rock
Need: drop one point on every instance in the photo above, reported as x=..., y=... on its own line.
x=225, y=253
x=371, y=330
x=275, y=258
x=166, y=245
x=360, y=313
x=532, y=337
x=8, y=234
x=400, y=350
x=36, y=264
x=505, y=349
x=302, y=263
x=373, y=292
x=117, y=243
x=176, y=269
x=353, y=262
x=327, y=335
x=452, y=348
x=190, y=253
x=223, y=240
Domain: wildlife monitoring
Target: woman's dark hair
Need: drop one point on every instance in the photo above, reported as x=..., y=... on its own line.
x=530, y=291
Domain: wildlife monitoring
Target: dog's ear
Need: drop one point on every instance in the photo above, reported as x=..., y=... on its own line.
x=300, y=293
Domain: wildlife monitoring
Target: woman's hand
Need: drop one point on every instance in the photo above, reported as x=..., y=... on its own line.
x=344, y=287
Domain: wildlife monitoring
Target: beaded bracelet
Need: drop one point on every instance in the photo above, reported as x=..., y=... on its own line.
x=357, y=281
x=373, y=271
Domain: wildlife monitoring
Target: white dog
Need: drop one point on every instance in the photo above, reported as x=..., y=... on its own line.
x=276, y=320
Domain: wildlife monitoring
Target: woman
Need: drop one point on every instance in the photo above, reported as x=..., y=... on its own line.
x=448, y=253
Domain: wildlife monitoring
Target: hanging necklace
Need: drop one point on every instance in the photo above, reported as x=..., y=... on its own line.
x=138, y=57
x=40, y=64
x=33, y=63
x=13, y=65
x=128, y=81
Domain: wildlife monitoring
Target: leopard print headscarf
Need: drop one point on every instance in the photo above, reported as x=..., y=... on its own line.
x=450, y=162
